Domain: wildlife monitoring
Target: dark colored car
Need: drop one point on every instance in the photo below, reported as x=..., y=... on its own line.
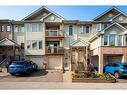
x=20, y=67
x=34, y=66
x=96, y=68
x=118, y=69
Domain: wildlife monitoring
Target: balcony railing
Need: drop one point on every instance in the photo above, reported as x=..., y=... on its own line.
x=54, y=33
x=54, y=50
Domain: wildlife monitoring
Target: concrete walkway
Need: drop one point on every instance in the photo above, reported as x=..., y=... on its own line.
x=61, y=85
x=67, y=77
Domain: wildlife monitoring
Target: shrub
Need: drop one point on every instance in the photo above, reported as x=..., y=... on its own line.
x=92, y=75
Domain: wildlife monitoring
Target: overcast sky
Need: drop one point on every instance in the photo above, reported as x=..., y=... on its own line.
x=68, y=12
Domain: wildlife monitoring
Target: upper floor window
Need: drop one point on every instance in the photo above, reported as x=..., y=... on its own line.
x=105, y=40
x=8, y=28
x=70, y=30
x=34, y=27
x=19, y=28
x=119, y=40
x=34, y=44
x=81, y=29
x=16, y=28
x=40, y=44
x=28, y=44
x=2, y=28
x=112, y=39
x=87, y=29
x=22, y=28
x=98, y=27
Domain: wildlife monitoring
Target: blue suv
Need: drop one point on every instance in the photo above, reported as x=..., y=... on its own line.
x=20, y=67
x=118, y=69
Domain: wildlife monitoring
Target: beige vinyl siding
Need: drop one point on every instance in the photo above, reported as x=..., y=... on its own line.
x=49, y=18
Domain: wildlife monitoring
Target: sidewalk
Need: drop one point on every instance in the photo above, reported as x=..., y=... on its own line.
x=61, y=85
x=67, y=77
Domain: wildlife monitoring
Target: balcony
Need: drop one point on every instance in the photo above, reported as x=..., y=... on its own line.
x=54, y=50
x=54, y=34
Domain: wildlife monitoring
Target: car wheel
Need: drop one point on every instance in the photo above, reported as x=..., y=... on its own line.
x=117, y=75
x=28, y=72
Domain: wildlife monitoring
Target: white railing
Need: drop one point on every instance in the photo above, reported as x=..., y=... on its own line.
x=54, y=50
x=54, y=33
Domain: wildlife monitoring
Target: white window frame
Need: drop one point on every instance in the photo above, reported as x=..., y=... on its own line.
x=8, y=28
x=27, y=44
x=38, y=44
x=2, y=28
x=98, y=27
x=89, y=29
x=69, y=30
x=81, y=28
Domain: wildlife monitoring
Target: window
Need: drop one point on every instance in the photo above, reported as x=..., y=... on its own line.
x=34, y=44
x=81, y=29
x=2, y=28
x=119, y=40
x=98, y=27
x=112, y=39
x=22, y=28
x=28, y=44
x=115, y=65
x=8, y=28
x=70, y=30
x=105, y=40
x=34, y=27
x=40, y=27
x=28, y=27
x=16, y=28
x=87, y=29
x=40, y=44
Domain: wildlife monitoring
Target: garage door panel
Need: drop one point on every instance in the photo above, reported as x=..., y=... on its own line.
x=54, y=63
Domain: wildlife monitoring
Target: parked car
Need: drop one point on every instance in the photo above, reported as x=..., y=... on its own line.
x=118, y=69
x=34, y=66
x=19, y=67
x=96, y=68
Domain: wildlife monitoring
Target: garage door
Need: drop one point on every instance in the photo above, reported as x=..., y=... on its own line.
x=37, y=59
x=55, y=63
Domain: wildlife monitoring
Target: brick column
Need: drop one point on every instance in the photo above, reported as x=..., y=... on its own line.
x=101, y=62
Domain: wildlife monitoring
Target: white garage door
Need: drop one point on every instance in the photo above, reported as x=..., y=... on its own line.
x=55, y=63
x=38, y=60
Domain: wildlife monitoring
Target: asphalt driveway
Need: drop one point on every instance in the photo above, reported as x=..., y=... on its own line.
x=39, y=76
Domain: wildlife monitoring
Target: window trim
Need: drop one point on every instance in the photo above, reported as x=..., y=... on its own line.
x=9, y=28
x=99, y=25
x=81, y=29
x=88, y=29
x=71, y=30
x=2, y=28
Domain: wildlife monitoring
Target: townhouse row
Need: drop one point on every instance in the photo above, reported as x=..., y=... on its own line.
x=48, y=39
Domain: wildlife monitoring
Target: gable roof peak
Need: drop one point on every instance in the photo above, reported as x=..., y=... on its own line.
x=39, y=10
x=111, y=8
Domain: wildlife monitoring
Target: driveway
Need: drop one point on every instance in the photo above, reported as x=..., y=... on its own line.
x=39, y=76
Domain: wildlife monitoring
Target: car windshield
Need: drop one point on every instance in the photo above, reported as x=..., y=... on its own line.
x=125, y=66
x=17, y=63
